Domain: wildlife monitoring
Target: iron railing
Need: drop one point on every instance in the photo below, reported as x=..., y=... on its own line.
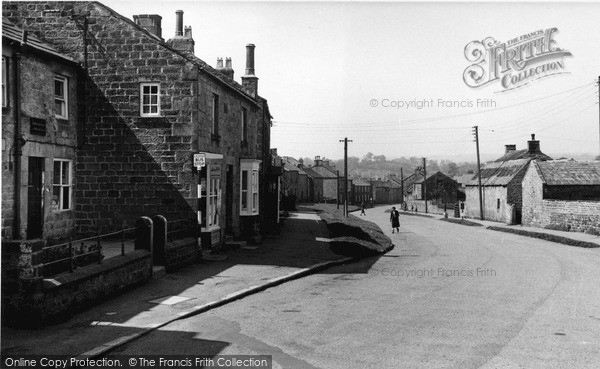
x=86, y=251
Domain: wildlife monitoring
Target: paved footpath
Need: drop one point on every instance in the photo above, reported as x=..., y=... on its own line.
x=578, y=236
x=191, y=290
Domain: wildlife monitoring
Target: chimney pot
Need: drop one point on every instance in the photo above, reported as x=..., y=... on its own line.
x=179, y=23
x=228, y=63
x=219, y=63
x=250, y=59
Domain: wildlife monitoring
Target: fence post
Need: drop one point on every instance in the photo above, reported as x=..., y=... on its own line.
x=70, y=254
x=123, y=238
x=99, y=248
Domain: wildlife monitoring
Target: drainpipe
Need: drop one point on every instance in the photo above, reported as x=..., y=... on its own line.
x=18, y=139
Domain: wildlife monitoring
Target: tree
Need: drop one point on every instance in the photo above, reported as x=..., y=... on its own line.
x=379, y=158
x=368, y=158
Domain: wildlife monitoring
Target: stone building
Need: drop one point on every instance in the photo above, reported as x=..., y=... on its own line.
x=39, y=137
x=562, y=195
x=147, y=109
x=501, y=182
x=361, y=192
x=295, y=181
x=325, y=181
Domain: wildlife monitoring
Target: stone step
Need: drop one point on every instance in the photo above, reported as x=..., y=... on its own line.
x=214, y=257
x=235, y=245
x=158, y=271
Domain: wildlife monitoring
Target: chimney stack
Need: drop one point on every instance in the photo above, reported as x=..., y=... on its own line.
x=150, y=22
x=509, y=148
x=182, y=42
x=227, y=70
x=300, y=163
x=179, y=23
x=250, y=59
x=533, y=145
x=317, y=161
x=249, y=80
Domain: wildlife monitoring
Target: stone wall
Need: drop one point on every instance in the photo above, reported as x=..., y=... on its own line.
x=41, y=301
x=532, y=198
x=492, y=196
x=580, y=216
x=182, y=252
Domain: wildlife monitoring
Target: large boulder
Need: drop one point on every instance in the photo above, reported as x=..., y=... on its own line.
x=355, y=237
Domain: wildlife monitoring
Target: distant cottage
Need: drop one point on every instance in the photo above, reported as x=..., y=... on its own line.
x=501, y=182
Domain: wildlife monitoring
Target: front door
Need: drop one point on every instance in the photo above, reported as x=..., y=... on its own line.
x=35, y=204
x=229, y=200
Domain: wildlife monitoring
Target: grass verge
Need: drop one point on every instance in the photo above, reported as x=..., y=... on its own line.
x=547, y=237
x=462, y=222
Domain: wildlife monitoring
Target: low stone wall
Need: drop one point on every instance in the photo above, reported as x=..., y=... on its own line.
x=42, y=301
x=578, y=216
x=431, y=208
x=181, y=253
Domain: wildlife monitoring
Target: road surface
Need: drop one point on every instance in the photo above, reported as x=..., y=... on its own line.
x=447, y=296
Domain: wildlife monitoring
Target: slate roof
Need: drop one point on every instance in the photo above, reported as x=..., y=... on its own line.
x=465, y=178
x=498, y=173
x=312, y=173
x=11, y=31
x=564, y=173
x=360, y=182
x=291, y=165
x=523, y=154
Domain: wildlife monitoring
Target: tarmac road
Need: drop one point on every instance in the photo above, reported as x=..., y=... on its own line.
x=447, y=296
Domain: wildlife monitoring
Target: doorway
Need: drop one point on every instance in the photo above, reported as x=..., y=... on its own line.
x=35, y=198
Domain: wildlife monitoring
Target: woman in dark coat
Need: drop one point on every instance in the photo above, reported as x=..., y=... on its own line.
x=395, y=219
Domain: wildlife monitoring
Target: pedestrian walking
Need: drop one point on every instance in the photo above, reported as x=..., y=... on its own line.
x=362, y=209
x=395, y=219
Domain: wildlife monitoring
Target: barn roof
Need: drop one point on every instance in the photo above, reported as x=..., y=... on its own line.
x=499, y=173
x=561, y=173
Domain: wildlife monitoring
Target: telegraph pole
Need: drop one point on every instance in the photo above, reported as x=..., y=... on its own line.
x=599, y=116
x=425, y=182
x=345, y=140
x=476, y=133
x=401, y=187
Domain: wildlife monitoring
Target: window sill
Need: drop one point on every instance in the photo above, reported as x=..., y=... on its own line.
x=249, y=214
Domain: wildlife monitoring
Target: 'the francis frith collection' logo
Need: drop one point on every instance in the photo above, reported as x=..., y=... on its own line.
x=516, y=62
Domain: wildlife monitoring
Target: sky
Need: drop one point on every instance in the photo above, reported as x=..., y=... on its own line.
x=389, y=75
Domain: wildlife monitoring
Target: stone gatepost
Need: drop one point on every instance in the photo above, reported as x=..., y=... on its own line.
x=144, y=234
x=160, y=240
